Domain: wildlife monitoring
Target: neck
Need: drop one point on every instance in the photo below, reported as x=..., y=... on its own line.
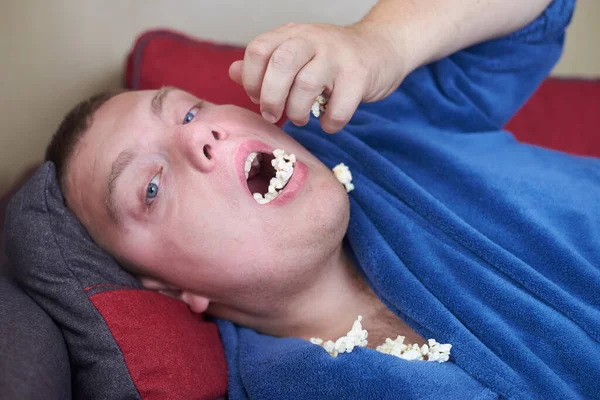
x=327, y=308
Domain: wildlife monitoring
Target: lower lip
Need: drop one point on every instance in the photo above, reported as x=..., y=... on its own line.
x=293, y=186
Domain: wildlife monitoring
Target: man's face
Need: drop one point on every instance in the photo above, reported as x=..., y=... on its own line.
x=160, y=184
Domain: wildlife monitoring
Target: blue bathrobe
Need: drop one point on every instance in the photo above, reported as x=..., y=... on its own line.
x=467, y=235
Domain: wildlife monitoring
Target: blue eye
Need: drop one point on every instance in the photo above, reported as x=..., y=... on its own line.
x=152, y=189
x=190, y=115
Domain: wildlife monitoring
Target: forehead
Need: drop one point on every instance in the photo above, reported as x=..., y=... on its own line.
x=114, y=122
x=122, y=120
x=116, y=126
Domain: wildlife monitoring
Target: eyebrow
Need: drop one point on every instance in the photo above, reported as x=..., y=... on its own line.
x=156, y=105
x=121, y=163
x=127, y=156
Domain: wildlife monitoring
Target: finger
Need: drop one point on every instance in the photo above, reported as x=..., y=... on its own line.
x=285, y=63
x=154, y=284
x=343, y=102
x=256, y=59
x=310, y=82
x=235, y=71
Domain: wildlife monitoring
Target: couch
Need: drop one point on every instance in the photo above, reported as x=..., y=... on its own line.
x=36, y=354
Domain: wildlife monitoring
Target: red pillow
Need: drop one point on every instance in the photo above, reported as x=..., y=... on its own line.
x=166, y=58
x=564, y=114
x=179, y=360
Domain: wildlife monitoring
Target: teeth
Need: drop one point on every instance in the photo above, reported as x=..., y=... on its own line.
x=284, y=169
x=270, y=196
x=260, y=199
x=284, y=175
x=276, y=183
x=250, y=161
x=279, y=164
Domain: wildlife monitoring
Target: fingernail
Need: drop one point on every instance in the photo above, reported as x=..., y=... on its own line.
x=269, y=117
x=255, y=100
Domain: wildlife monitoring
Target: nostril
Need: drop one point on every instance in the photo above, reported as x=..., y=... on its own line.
x=216, y=135
x=206, y=150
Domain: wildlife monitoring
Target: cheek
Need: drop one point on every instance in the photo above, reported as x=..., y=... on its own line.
x=136, y=247
x=204, y=226
x=330, y=205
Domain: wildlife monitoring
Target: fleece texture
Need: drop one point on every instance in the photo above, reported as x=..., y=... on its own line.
x=470, y=237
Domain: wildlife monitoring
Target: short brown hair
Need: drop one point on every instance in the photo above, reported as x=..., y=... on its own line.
x=73, y=126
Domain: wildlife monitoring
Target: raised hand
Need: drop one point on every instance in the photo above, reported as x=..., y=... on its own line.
x=285, y=69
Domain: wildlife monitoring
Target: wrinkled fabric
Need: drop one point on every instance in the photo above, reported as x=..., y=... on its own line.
x=470, y=237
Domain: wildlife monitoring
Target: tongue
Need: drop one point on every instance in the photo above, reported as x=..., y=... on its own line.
x=259, y=178
x=258, y=184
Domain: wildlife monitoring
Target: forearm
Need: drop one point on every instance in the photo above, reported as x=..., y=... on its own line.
x=427, y=30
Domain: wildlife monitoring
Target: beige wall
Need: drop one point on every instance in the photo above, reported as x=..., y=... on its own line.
x=582, y=50
x=55, y=52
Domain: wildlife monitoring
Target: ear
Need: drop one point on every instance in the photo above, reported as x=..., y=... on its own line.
x=154, y=284
x=197, y=303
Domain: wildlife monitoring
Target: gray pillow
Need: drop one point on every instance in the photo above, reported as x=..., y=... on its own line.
x=54, y=259
x=33, y=356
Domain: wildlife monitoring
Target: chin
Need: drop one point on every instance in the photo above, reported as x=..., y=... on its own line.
x=328, y=214
x=285, y=258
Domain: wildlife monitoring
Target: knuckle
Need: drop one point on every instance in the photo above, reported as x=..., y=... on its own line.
x=284, y=57
x=286, y=28
x=308, y=83
x=258, y=49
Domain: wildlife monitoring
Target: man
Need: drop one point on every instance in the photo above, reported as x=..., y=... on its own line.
x=455, y=232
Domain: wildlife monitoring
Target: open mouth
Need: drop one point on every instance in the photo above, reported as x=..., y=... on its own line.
x=268, y=174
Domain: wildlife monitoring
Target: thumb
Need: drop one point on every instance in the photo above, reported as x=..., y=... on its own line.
x=235, y=71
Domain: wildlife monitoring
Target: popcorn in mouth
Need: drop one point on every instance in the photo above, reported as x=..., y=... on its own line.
x=267, y=181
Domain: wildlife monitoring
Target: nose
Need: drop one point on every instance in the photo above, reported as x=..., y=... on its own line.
x=200, y=144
